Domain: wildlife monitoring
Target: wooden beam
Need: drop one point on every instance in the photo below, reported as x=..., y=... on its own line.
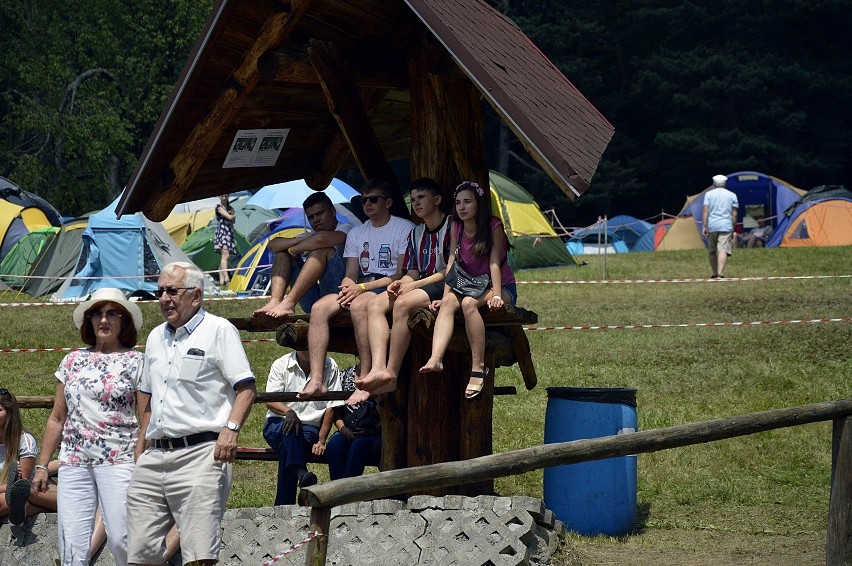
x=838, y=544
x=345, y=104
x=294, y=67
x=387, y=484
x=319, y=532
x=207, y=132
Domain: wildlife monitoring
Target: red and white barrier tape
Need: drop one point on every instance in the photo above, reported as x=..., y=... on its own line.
x=686, y=280
x=311, y=535
x=536, y=282
x=545, y=328
x=75, y=303
x=138, y=347
x=689, y=324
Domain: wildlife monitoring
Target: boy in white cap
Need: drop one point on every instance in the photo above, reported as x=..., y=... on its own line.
x=718, y=220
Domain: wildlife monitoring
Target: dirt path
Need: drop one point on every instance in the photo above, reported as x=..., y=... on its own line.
x=694, y=548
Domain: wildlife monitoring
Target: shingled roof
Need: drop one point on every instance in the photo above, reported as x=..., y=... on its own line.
x=258, y=65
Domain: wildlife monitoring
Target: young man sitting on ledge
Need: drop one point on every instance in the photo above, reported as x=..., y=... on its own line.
x=312, y=264
x=374, y=254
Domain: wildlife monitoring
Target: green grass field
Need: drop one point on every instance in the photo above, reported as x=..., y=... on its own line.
x=775, y=482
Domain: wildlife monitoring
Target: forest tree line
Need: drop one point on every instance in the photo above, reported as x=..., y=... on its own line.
x=692, y=89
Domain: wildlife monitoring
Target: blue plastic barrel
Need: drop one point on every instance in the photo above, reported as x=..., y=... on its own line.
x=597, y=497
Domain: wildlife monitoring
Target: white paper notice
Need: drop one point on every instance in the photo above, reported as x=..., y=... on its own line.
x=256, y=148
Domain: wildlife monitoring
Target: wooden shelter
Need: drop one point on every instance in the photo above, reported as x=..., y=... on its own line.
x=277, y=90
x=359, y=83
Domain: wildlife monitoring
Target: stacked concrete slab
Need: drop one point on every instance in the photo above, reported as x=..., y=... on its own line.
x=451, y=530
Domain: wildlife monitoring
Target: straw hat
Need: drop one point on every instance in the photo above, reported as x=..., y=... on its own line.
x=108, y=295
x=719, y=181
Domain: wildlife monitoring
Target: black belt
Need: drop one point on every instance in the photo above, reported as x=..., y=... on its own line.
x=184, y=441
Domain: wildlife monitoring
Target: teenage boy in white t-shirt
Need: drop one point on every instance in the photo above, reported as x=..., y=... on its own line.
x=374, y=255
x=425, y=263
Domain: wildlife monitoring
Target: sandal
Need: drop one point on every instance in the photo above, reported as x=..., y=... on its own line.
x=473, y=390
x=16, y=499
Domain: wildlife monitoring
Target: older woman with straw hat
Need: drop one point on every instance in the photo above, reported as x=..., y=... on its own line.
x=94, y=423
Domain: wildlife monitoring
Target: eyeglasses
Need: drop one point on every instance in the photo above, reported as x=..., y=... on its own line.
x=171, y=291
x=372, y=199
x=112, y=315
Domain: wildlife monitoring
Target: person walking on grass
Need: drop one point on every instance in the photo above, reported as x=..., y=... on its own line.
x=95, y=424
x=718, y=220
x=480, y=245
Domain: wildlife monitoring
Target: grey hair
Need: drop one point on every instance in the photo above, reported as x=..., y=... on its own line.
x=192, y=274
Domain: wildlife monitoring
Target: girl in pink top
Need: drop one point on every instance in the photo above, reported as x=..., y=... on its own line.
x=480, y=241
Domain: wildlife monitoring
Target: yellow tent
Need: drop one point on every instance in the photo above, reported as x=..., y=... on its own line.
x=179, y=225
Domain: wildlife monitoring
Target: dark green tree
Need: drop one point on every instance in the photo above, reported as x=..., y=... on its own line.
x=698, y=88
x=81, y=84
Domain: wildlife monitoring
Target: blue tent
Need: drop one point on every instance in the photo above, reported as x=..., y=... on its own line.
x=766, y=195
x=629, y=228
x=599, y=238
x=126, y=253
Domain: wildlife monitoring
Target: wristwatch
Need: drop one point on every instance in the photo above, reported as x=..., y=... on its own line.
x=231, y=425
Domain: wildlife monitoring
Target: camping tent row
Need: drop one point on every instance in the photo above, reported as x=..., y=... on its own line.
x=100, y=250
x=820, y=217
x=22, y=213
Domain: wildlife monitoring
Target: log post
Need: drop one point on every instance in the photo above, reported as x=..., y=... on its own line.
x=475, y=426
x=318, y=545
x=838, y=543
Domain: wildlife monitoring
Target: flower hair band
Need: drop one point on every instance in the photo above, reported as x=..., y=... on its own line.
x=470, y=185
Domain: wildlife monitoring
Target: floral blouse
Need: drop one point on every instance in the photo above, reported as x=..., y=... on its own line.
x=100, y=393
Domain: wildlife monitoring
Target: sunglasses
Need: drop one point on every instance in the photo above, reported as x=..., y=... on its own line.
x=171, y=291
x=112, y=315
x=4, y=391
x=372, y=199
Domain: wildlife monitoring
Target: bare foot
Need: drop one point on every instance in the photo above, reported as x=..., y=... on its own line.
x=432, y=366
x=358, y=396
x=375, y=379
x=382, y=389
x=312, y=388
x=281, y=310
x=264, y=310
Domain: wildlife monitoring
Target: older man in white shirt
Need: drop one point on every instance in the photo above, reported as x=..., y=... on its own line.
x=199, y=389
x=719, y=218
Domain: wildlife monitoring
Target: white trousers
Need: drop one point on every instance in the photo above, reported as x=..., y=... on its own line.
x=82, y=489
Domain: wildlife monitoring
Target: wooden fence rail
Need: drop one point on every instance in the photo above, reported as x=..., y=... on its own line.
x=385, y=484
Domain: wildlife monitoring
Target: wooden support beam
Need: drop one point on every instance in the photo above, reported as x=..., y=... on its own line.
x=318, y=545
x=346, y=105
x=838, y=544
x=295, y=68
x=195, y=150
x=390, y=483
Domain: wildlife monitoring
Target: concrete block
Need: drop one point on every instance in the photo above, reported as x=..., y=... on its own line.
x=421, y=502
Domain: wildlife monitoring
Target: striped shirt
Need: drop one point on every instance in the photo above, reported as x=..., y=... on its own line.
x=428, y=251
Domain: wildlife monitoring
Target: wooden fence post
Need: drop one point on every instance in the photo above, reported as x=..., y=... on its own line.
x=318, y=546
x=838, y=540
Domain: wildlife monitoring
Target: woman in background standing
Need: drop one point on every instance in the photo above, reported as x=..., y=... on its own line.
x=224, y=240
